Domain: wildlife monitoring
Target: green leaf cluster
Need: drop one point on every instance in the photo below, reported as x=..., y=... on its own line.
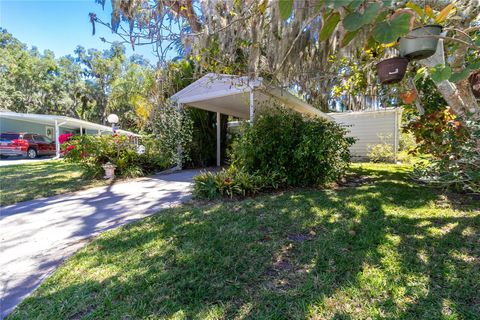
x=286, y=8
x=329, y=25
x=390, y=31
x=355, y=20
x=282, y=149
x=441, y=73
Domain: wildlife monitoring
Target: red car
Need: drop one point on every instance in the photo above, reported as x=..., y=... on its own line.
x=28, y=145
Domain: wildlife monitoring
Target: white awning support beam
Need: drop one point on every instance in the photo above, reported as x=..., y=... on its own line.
x=57, y=138
x=179, y=144
x=219, y=136
x=252, y=107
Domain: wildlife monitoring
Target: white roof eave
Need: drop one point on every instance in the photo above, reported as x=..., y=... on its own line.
x=213, y=86
x=290, y=100
x=221, y=85
x=68, y=122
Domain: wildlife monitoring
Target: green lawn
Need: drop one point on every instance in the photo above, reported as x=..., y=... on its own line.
x=380, y=247
x=40, y=179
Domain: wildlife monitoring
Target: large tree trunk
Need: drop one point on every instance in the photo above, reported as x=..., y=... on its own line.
x=459, y=96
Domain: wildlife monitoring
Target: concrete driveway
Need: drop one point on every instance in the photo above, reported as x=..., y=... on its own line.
x=21, y=160
x=37, y=236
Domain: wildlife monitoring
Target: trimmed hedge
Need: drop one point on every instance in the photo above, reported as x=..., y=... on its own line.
x=282, y=149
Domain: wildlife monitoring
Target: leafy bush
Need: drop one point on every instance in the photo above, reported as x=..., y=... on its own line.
x=228, y=182
x=407, y=147
x=452, y=145
x=459, y=168
x=300, y=150
x=407, y=142
x=282, y=149
x=383, y=151
x=94, y=151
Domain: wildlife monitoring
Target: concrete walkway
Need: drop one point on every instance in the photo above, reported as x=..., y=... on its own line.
x=37, y=236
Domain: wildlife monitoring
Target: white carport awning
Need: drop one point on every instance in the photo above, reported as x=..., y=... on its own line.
x=231, y=95
x=239, y=97
x=61, y=121
x=67, y=122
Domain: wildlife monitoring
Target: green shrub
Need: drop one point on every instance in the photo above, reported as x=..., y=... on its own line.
x=450, y=142
x=407, y=146
x=459, y=168
x=94, y=151
x=383, y=151
x=282, y=149
x=172, y=128
x=206, y=185
x=232, y=182
x=299, y=150
x=407, y=142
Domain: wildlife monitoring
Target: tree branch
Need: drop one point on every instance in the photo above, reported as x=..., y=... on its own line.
x=294, y=41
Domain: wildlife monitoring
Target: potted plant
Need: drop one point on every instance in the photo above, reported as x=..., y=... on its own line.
x=421, y=42
x=392, y=70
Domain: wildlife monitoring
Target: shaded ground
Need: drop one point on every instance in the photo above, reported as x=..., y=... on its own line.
x=36, y=179
x=383, y=248
x=36, y=236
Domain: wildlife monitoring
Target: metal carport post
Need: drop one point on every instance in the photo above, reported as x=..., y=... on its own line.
x=57, y=138
x=219, y=134
x=252, y=107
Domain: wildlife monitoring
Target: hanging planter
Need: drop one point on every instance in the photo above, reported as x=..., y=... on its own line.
x=423, y=46
x=474, y=80
x=392, y=70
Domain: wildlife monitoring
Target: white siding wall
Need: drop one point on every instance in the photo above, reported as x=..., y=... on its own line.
x=369, y=126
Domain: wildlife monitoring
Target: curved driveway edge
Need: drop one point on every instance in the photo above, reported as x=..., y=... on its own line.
x=38, y=235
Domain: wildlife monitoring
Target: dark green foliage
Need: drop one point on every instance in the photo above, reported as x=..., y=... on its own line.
x=302, y=151
x=452, y=144
x=389, y=31
x=459, y=168
x=91, y=152
x=202, y=149
x=282, y=149
x=233, y=182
